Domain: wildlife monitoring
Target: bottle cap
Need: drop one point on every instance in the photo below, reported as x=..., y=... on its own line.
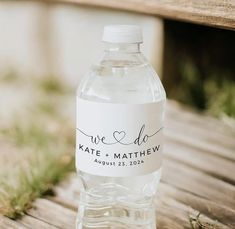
x=122, y=34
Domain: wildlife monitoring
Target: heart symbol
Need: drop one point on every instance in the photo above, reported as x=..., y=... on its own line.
x=119, y=135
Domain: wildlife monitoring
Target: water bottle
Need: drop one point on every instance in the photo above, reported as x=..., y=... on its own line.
x=119, y=135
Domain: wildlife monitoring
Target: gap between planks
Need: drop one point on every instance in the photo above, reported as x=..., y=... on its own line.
x=220, y=168
x=205, y=134
x=198, y=183
x=209, y=208
x=53, y=213
x=33, y=223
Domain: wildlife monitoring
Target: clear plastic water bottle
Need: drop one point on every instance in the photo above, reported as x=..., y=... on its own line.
x=120, y=111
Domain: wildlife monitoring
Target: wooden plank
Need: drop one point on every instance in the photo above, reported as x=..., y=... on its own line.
x=216, y=212
x=32, y=222
x=6, y=223
x=67, y=193
x=212, y=12
x=210, y=164
x=198, y=183
x=53, y=213
x=200, y=132
x=182, y=213
x=177, y=111
x=163, y=209
x=164, y=222
x=203, y=140
x=207, y=129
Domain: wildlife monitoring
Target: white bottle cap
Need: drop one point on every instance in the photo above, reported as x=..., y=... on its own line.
x=122, y=34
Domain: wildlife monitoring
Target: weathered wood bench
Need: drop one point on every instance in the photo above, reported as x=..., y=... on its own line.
x=197, y=189
x=198, y=177
x=211, y=12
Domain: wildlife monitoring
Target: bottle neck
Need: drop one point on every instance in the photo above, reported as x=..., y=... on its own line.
x=122, y=48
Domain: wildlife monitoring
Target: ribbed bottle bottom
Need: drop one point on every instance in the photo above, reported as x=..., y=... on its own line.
x=115, y=217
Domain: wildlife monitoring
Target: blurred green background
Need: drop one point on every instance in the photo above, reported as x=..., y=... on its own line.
x=199, y=67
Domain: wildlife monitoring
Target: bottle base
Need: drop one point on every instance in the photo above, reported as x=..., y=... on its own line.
x=112, y=225
x=118, y=226
x=116, y=217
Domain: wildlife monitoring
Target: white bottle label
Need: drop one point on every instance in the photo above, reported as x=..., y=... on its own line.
x=119, y=140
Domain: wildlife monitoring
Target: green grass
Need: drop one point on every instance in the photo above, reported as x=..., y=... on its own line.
x=45, y=142
x=199, y=70
x=221, y=98
x=213, y=93
x=37, y=182
x=9, y=77
x=28, y=134
x=52, y=85
x=49, y=157
x=48, y=107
